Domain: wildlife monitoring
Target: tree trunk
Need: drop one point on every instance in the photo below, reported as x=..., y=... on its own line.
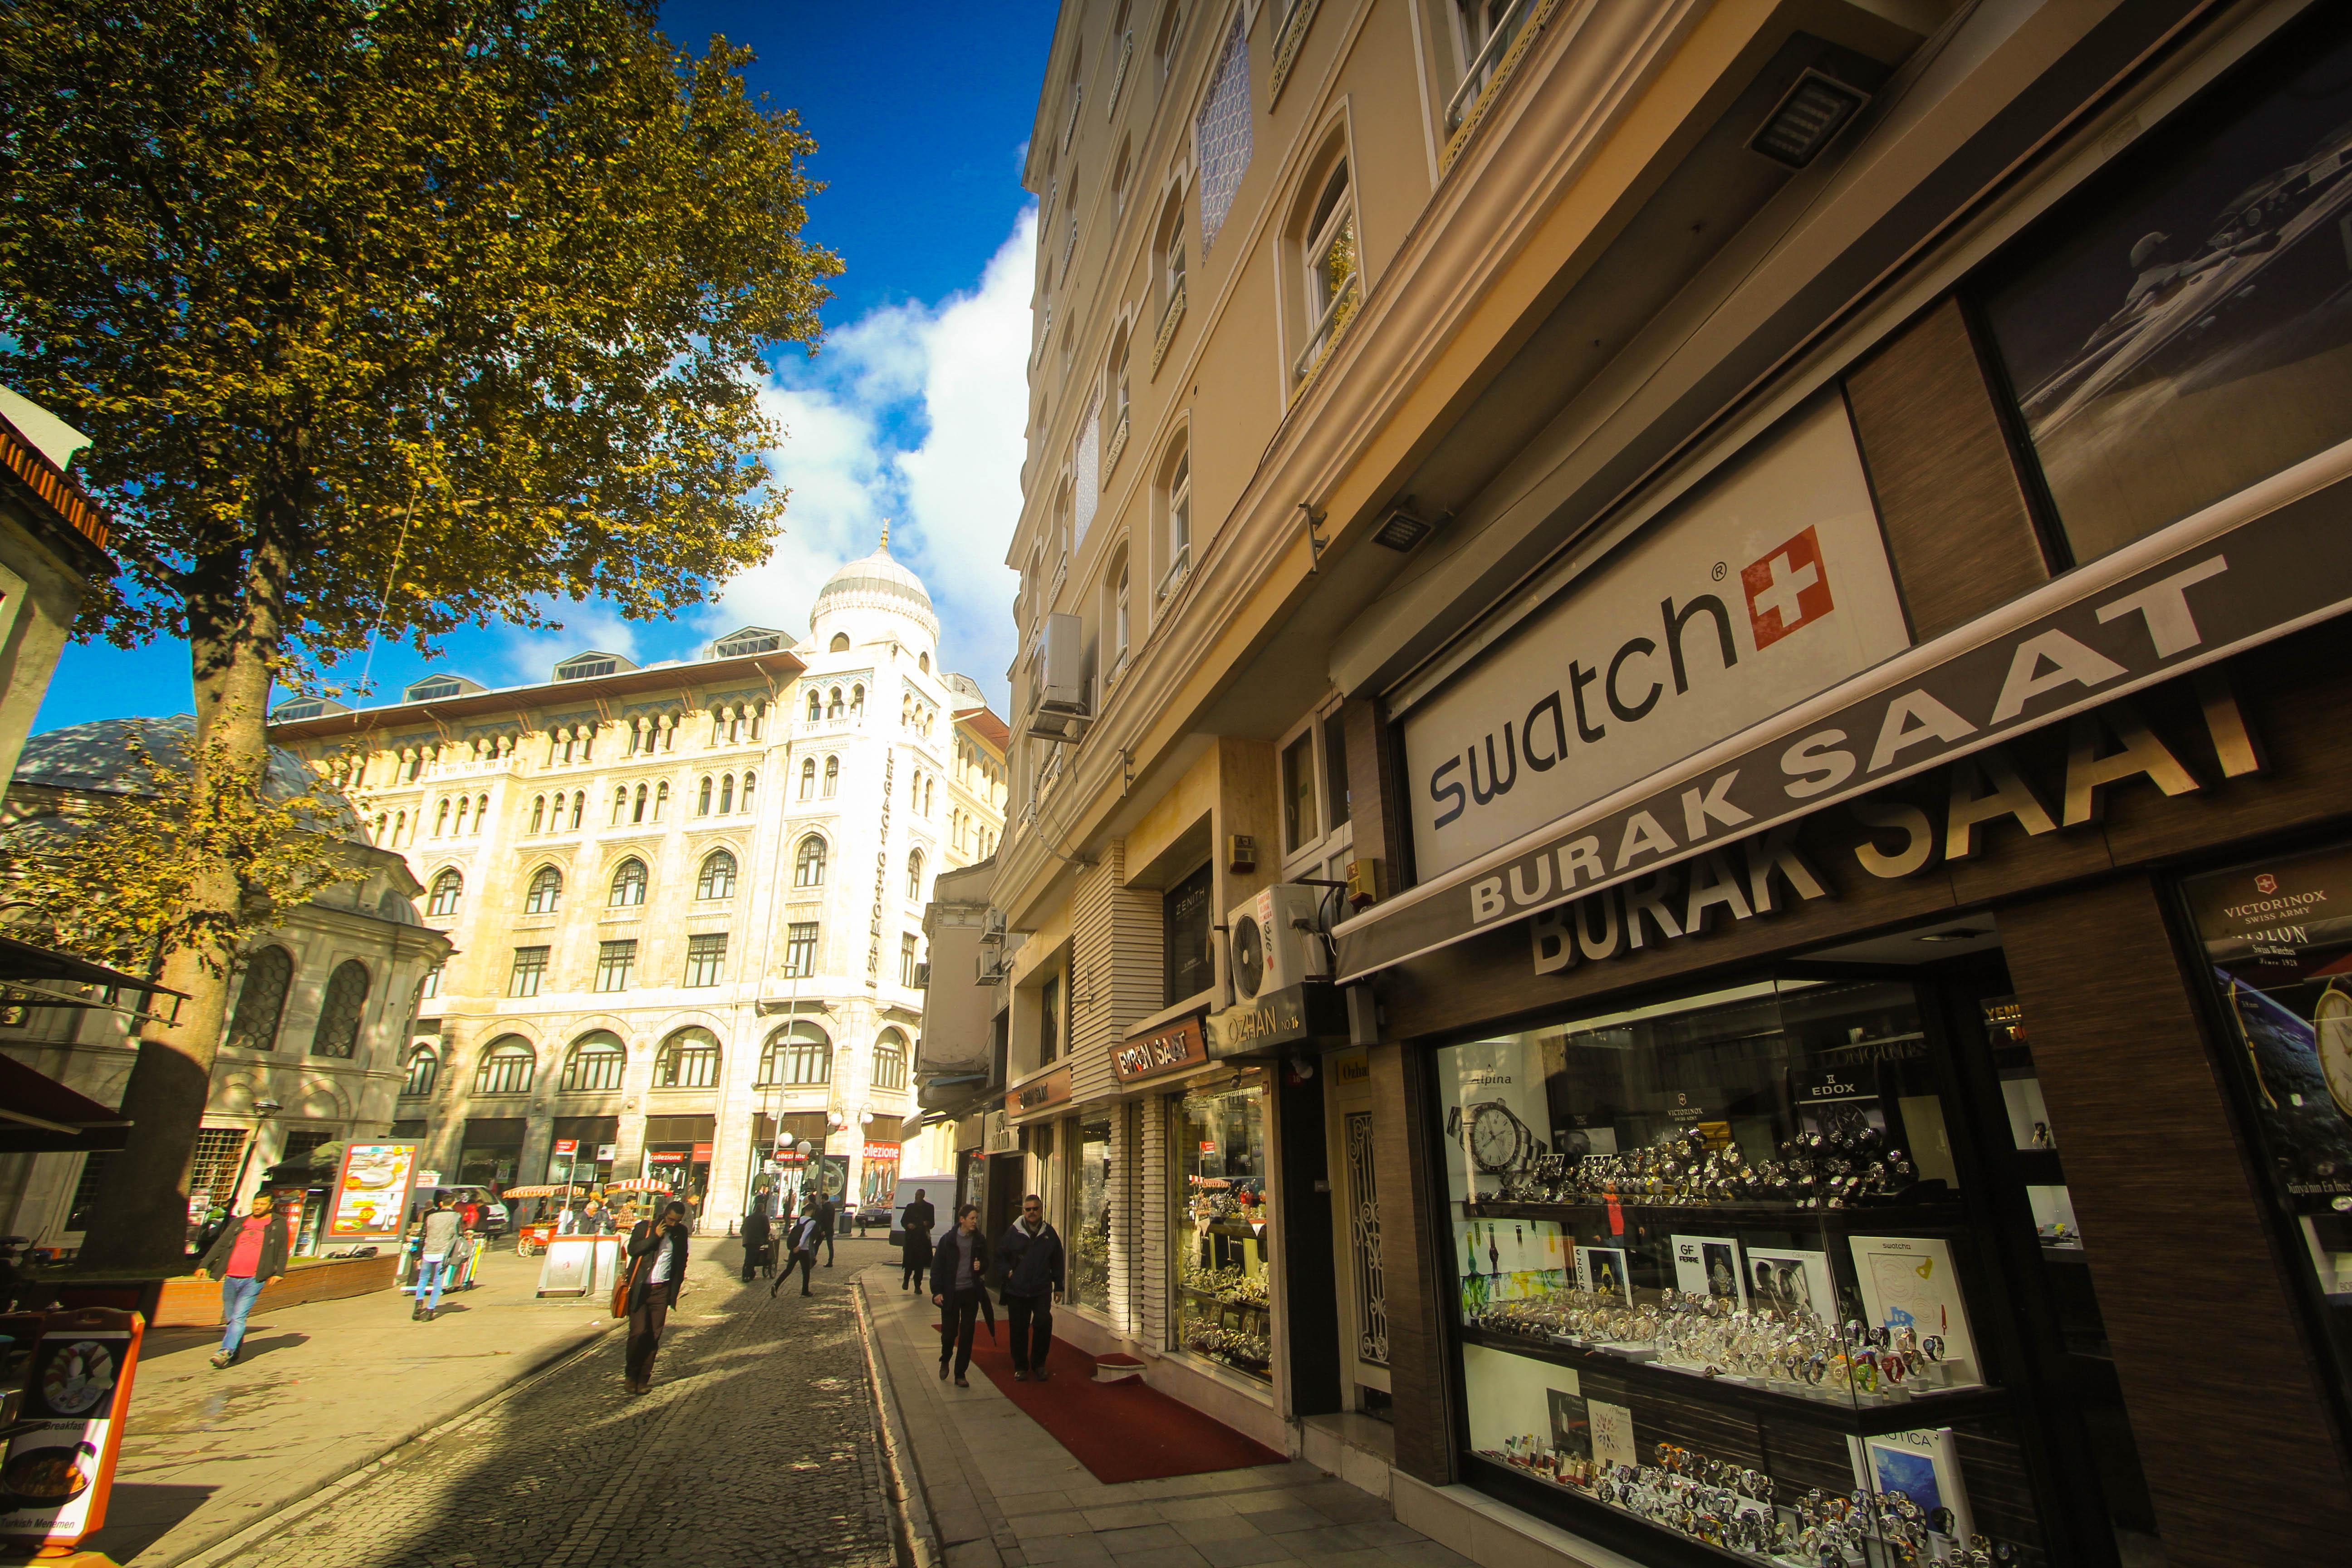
x=236, y=618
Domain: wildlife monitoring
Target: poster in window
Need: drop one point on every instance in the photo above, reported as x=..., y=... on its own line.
x=1909, y=1282
x=1603, y=1269
x=1789, y=1283
x=1922, y=1465
x=1709, y=1266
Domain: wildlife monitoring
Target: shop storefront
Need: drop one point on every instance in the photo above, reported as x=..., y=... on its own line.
x=1087, y=1233
x=491, y=1152
x=679, y=1150
x=583, y=1148
x=1888, y=1098
x=1219, y=1230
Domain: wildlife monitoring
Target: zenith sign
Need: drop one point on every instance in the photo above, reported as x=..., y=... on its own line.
x=1787, y=588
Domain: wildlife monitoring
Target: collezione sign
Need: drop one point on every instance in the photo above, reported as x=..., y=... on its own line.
x=2274, y=558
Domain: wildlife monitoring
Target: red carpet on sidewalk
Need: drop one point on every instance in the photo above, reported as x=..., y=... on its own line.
x=1119, y=1431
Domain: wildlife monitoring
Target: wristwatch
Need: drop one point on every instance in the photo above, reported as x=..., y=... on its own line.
x=1497, y=1141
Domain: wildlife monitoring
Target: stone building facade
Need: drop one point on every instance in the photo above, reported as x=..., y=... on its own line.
x=686, y=900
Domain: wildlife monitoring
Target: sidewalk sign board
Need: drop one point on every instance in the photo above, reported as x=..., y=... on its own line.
x=58, y=1468
x=372, y=1192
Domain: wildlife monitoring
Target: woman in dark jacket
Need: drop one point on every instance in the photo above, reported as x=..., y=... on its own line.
x=656, y=1270
x=915, y=1244
x=959, y=1288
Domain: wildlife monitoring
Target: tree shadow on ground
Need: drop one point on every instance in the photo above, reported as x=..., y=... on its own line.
x=138, y=1515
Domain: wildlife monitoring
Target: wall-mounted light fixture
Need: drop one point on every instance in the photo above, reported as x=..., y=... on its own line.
x=1807, y=119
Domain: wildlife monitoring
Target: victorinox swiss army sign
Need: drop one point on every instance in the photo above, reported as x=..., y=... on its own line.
x=1768, y=586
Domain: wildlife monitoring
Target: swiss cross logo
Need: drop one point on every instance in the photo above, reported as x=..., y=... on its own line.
x=1787, y=588
x=2266, y=883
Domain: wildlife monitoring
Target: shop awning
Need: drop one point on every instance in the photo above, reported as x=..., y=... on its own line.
x=37, y=974
x=38, y=1115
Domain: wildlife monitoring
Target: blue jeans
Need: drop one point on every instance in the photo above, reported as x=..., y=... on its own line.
x=236, y=1301
x=436, y=1272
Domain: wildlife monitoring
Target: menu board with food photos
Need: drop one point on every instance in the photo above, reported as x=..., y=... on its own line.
x=60, y=1462
x=372, y=1192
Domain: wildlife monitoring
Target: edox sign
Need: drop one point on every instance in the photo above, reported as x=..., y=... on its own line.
x=1769, y=584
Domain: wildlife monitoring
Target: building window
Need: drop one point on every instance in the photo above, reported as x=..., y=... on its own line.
x=1219, y=1229
x=661, y=799
x=530, y=972
x=538, y=811
x=596, y=1064
x=1332, y=285
x=808, y=866
x=689, y=1059
x=800, y=949
x=1301, y=824
x=751, y=781
x=808, y=778
x=816, y=707
x=726, y=795
x=856, y=701
x=890, y=1061
x=506, y=1067
x=833, y=709
x=1184, y=928
x=212, y=1172
x=1176, y=510
x=797, y=1054
x=447, y=887
x=638, y=814
x=705, y=958
x=702, y=800
x=579, y=807
x=546, y=891
x=629, y=884
x=620, y=805
x=1119, y=616
x=616, y=964
x=914, y=876
x=840, y=643
x=441, y=820
x=430, y=986
x=1171, y=33
x=907, y=960
x=1049, y=1020
x=339, y=1017
x=261, y=999
x=423, y=1068
x=1222, y=134
x=718, y=878
x=831, y=776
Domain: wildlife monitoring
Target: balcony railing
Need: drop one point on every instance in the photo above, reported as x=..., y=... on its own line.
x=1070, y=126
x=1168, y=319
x=1178, y=570
x=1295, y=22
x=1119, y=76
x=1118, y=444
x=1490, y=69
x=1328, y=327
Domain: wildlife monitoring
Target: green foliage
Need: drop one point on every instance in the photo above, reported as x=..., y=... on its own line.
x=138, y=872
x=496, y=277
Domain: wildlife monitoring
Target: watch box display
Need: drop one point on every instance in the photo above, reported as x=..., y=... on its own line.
x=1750, y=1318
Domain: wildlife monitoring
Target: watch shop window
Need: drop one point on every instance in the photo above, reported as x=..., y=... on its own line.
x=1220, y=1236
x=1184, y=925
x=1089, y=1240
x=2177, y=329
x=1727, y=1227
x=1316, y=838
x=2278, y=964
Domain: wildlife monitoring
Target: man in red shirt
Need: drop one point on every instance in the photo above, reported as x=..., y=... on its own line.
x=244, y=1258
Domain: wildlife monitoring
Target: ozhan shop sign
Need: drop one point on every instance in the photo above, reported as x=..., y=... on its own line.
x=2273, y=558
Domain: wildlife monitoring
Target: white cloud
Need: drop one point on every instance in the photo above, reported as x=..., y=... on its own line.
x=915, y=413
x=526, y=657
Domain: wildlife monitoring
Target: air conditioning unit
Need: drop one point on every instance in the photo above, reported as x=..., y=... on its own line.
x=1276, y=941
x=1057, y=682
x=923, y=976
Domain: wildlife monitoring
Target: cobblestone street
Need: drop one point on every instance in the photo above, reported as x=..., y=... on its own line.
x=757, y=1445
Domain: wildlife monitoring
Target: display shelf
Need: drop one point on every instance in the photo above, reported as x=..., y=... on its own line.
x=1261, y=1308
x=1938, y=1215
x=1874, y=1415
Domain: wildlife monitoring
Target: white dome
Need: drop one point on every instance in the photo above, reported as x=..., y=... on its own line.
x=875, y=581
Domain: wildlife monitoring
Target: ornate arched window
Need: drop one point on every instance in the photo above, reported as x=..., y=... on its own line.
x=447, y=889
x=914, y=874
x=816, y=706
x=808, y=866
x=725, y=793
x=702, y=800
x=639, y=813
x=890, y=1061
x=441, y=820
x=579, y=807
x=840, y=643
x=797, y=1054
x=628, y=884
x=538, y=811
x=808, y=778
x=661, y=799
x=689, y=1059
x=857, y=701
x=595, y=1064
x=833, y=704
x=831, y=776
x=423, y=1069
x=546, y=891
x=718, y=878
x=506, y=1067
x=261, y=999
x=923, y=662
x=751, y=781
x=481, y=814
x=338, y=1034
x=620, y=805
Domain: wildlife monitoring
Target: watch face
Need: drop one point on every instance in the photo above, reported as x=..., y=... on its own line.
x=1494, y=1137
x=2332, y=1023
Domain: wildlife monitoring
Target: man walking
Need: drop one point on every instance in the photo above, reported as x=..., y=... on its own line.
x=915, y=1244
x=756, y=1237
x=437, y=1240
x=803, y=1234
x=657, y=1272
x=826, y=1211
x=1032, y=1253
x=244, y=1258
x=958, y=1287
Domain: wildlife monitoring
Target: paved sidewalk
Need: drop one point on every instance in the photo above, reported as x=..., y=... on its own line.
x=998, y=1492
x=321, y=1390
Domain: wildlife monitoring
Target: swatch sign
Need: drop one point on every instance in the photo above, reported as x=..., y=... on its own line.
x=1767, y=584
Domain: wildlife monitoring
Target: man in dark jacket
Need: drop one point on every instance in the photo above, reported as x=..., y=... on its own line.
x=756, y=1237
x=826, y=1210
x=1031, y=1253
x=915, y=1240
x=657, y=1271
x=959, y=1288
x=244, y=1258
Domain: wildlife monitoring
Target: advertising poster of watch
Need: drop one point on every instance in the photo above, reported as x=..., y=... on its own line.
x=1709, y=1265
x=1497, y=1116
x=1909, y=1282
x=1603, y=1268
x=1571, y=1426
x=1787, y=1282
x=1924, y=1466
x=1612, y=1434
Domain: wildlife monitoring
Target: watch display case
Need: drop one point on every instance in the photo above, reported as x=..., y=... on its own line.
x=1712, y=1274
x=1220, y=1247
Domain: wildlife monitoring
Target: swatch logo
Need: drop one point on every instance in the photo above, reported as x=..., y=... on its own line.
x=1787, y=589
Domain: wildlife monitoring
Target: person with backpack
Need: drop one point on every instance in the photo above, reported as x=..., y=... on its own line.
x=801, y=1241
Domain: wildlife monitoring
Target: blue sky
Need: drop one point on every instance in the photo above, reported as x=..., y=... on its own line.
x=914, y=409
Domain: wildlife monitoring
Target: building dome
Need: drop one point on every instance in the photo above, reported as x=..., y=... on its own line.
x=101, y=757
x=876, y=581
